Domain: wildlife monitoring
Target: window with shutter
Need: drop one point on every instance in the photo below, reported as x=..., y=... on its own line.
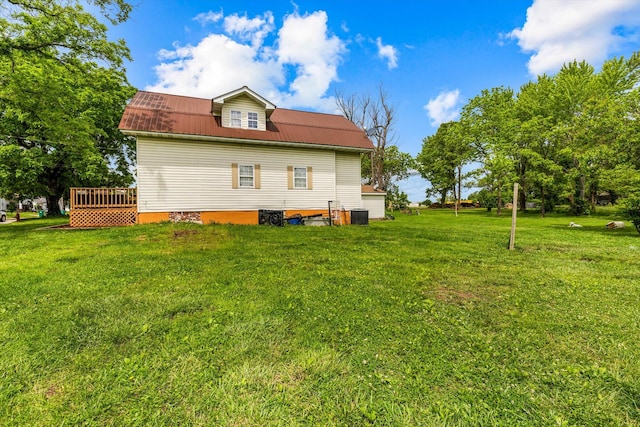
x=245, y=176
x=299, y=178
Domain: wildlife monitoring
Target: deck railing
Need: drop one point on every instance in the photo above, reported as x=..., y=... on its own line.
x=91, y=198
x=97, y=207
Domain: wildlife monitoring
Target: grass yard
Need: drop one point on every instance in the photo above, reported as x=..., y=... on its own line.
x=425, y=320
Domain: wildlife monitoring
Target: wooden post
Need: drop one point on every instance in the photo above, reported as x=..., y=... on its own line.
x=514, y=214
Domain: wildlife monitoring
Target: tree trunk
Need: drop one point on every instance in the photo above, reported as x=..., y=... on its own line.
x=53, y=209
x=522, y=199
x=459, y=196
x=459, y=184
x=542, y=204
x=499, y=207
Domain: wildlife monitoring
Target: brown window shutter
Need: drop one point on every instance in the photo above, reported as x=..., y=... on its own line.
x=309, y=178
x=290, y=177
x=234, y=175
x=256, y=176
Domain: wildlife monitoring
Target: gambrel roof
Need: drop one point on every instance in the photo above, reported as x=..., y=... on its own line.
x=159, y=114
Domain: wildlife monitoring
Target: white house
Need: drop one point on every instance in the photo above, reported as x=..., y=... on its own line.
x=228, y=158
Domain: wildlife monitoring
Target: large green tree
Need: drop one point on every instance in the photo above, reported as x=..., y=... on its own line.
x=62, y=91
x=490, y=122
x=567, y=137
x=443, y=157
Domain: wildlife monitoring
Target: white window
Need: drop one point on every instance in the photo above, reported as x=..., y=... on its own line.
x=252, y=120
x=245, y=176
x=236, y=119
x=299, y=177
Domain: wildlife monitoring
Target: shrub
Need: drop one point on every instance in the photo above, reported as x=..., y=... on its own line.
x=580, y=207
x=632, y=210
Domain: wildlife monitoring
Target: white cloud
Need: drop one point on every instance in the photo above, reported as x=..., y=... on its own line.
x=561, y=31
x=254, y=30
x=214, y=66
x=387, y=52
x=443, y=108
x=304, y=43
x=211, y=16
x=243, y=56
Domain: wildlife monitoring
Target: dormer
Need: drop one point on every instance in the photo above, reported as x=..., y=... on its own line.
x=242, y=109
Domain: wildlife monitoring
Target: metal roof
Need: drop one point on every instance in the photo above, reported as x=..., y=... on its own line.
x=369, y=189
x=150, y=112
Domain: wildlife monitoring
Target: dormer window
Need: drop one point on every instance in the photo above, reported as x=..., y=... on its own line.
x=242, y=109
x=236, y=118
x=252, y=120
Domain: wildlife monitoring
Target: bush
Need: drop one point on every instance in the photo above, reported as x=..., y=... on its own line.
x=632, y=210
x=580, y=207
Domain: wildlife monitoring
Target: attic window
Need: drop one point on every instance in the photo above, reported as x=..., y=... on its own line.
x=252, y=120
x=236, y=119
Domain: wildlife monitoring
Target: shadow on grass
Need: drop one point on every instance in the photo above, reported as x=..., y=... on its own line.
x=628, y=230
x=30, y=224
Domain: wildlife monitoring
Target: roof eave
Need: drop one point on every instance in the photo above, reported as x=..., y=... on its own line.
x=216, y=103
x=206, y=138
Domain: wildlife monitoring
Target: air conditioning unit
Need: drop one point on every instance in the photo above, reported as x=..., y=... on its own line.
x=268, y=217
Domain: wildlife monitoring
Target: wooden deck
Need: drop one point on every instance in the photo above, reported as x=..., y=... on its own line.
x=103, y=207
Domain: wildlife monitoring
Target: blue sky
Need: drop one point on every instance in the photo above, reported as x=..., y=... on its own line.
x=431, y=56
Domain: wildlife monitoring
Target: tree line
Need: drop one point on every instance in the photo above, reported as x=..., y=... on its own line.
x=562, y=138
x=566, y=138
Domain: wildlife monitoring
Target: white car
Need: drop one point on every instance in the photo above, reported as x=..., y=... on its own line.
x=3, y=216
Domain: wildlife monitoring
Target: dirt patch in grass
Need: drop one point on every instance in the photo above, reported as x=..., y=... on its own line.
x=52, y=391
x=182, y=233
x=454, y=296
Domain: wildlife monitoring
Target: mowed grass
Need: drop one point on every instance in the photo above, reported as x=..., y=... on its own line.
x=425, y=320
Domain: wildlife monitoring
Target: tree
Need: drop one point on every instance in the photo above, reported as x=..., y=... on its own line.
x=437, y=164
x=60, y=108
x=397, y=165
x=490, y=121
x=64, y=32
x=443, y=157
x=396, y=198
x=377, y=118
x=540, y=149
x=498, y=174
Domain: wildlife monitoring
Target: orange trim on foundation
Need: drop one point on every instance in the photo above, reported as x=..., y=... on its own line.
x=236, y=217
x=152, y=217
x=230, y=217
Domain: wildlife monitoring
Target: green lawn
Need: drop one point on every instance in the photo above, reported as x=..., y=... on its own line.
x=425, y=320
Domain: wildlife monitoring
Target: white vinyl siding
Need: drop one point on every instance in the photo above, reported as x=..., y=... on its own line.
x=176, y=175
x=244, y=105
x=348, y=188
x=374, y=203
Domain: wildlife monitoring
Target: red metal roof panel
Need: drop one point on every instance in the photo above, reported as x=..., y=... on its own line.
x=163, y=113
